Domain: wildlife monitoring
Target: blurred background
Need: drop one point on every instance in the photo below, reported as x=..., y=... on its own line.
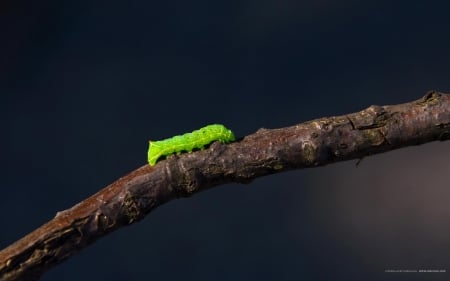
x=85, y=84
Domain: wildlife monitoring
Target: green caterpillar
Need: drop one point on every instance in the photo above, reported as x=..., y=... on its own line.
x=188, y=142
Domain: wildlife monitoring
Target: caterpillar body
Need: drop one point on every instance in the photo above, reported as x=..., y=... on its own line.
x=198, y=139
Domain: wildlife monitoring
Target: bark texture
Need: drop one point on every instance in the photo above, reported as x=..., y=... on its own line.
x=318, y=142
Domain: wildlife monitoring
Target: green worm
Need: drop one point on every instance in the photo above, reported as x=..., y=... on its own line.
x=198, y=139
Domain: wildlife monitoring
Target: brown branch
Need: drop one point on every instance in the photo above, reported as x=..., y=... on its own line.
x=315, y=143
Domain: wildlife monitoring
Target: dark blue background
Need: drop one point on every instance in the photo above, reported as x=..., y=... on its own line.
x=85, y=84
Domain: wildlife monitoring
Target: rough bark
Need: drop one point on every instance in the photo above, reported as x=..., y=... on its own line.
x=318, y=142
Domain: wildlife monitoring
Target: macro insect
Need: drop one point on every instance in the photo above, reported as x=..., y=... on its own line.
x=198, y=139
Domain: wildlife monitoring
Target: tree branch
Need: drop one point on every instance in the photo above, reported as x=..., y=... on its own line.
x=318, y=142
